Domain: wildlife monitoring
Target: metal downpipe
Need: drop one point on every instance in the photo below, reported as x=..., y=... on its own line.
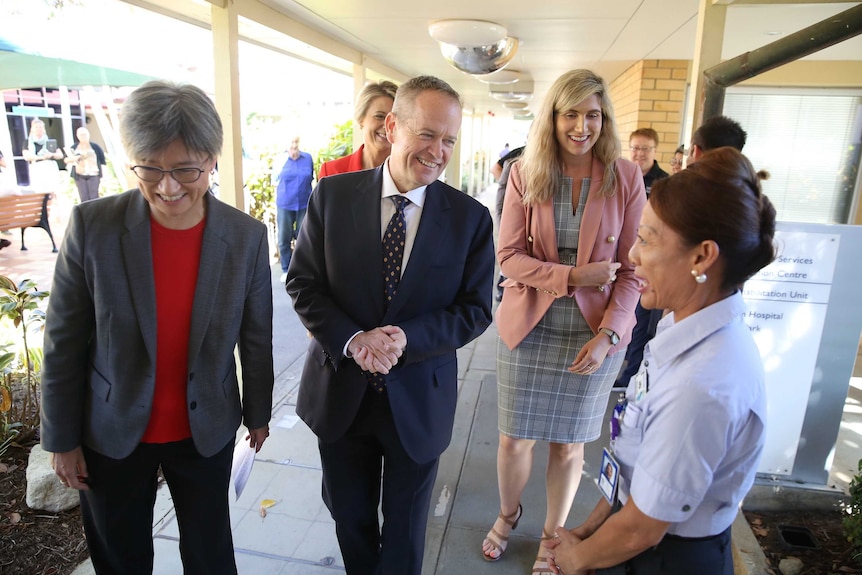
x=816, y=37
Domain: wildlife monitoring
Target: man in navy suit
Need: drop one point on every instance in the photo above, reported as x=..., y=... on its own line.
x=379, y=385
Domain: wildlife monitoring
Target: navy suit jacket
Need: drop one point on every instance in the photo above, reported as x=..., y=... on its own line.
x=443, y=302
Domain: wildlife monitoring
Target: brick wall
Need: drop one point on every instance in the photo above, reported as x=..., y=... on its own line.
x=651, y=94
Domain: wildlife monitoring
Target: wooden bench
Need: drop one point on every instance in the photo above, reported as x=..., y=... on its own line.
x=26, y=211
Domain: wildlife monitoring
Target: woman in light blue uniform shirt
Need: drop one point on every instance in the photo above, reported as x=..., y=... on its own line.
x=688, y=437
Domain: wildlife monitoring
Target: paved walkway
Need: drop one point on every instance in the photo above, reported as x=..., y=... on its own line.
x=297, y=535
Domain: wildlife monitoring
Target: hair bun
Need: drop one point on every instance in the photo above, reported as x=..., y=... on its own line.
x=763, y=175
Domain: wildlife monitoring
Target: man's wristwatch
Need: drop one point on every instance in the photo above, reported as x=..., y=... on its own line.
x=615, y=339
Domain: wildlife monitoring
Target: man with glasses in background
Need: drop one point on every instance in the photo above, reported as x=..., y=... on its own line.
x=642, y=145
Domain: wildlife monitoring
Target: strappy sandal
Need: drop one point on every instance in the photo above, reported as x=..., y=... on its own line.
x=541, y=566
x=497, y=541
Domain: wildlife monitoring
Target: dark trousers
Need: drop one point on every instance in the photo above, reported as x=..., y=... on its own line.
x=117, y=511
x=88, y=187
x=288, y=223
x=644, y=330
x=681, y=556
x=352, y=468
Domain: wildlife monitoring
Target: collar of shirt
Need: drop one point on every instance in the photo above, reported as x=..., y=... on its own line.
x=412, y=212
x=416, y=196
x=675, y=338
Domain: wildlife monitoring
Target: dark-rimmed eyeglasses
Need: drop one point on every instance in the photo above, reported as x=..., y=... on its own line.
x=642, y=148
x=181, y=175
x=675, y=162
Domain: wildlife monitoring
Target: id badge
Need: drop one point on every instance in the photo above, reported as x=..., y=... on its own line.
x=641, y=384
x=609, y=476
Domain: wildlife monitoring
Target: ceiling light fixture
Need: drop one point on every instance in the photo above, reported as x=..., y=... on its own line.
x=480, y=59
x=514, y=105
x=467, y=32
x=500, y=77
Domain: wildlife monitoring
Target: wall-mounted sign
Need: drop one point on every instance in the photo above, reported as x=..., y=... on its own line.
x=35, y=111
x=804, y=313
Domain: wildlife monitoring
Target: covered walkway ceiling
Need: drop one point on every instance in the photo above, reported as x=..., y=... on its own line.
x=555, y=35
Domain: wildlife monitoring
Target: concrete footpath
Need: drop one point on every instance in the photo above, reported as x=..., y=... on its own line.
x=297, y=535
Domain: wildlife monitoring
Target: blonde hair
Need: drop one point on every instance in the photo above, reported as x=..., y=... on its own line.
x=372, y=91
x=540, y=164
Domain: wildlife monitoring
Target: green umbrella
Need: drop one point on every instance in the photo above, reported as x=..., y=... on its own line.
x=21, y=70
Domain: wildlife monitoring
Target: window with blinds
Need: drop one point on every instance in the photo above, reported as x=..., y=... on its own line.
x=809, y=142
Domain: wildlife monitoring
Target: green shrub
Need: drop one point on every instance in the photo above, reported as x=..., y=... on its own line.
x=20, y=362
x=853, y=519
x=340, y=144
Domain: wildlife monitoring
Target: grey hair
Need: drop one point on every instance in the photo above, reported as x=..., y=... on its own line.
x=409, y=90
x=160, y=112
x=372, y=91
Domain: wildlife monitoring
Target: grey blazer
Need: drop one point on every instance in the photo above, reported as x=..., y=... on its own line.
x=100, y=339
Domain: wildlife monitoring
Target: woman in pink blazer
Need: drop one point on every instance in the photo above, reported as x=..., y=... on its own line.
x=570, y=216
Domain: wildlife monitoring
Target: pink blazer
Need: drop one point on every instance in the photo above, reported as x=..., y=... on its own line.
x=527, y=251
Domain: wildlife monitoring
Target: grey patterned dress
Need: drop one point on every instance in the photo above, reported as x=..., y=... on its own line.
x=537, y=397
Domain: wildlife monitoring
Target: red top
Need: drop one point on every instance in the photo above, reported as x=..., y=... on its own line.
x=176, y=258
x=350, y=163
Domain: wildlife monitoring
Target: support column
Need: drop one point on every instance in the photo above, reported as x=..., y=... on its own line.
x=709, y=40
x=359, y=78
x=453, y=168
x=66, y=117
x=225, y=35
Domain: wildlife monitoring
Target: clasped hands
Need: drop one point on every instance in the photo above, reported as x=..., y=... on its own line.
x=562, y=548
x=378, y=350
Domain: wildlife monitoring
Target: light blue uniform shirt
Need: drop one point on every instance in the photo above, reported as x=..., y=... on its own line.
x=689, y=447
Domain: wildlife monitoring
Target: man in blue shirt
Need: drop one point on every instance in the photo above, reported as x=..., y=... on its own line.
x=291, y=199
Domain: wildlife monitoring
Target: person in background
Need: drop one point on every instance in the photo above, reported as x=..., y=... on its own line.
x=43, y=170
x=569, y=219
x=36, y=149
x=642, y=145
x=501, y=194
x=379, y=385
x=372, y=105
x=153, y=291
x=86, y=159
x=497, y=167
x=714, y=133
x=2, y=162
x=691, y=430
x=505, y=150
x=293, y=188
x=676, y=163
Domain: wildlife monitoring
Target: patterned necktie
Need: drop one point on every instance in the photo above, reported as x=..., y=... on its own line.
x=393, y=248
x=393, y=254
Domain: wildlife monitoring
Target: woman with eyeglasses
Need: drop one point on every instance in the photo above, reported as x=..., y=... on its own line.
x=153, y=290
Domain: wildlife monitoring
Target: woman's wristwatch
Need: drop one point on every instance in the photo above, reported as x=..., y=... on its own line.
x=615, y=339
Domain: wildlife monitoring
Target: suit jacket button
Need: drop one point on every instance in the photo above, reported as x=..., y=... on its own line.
x=611, y=239
x=193, y=405
x=191, y=377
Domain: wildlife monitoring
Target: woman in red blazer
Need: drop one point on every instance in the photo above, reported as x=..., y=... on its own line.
x=570, y=215
x=372, y=105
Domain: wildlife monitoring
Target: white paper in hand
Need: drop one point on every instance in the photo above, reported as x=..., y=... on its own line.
x=243, y=459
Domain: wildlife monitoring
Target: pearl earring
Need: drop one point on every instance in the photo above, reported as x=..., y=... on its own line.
x=699, y=278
